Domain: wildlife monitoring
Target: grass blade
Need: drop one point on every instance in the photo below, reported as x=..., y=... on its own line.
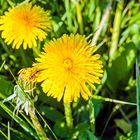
x=116, y=28
x=8, y=131
x=21, y=122
x=3, y=134
x=138, y=98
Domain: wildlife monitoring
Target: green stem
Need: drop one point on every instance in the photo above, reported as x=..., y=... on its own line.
x=5, y=47
x=25, y=61
x=36, y=51
x=68, y=115
x=2, y=65
x=138, y=98
x=8, y=131
x=42, y=135
x=114, y=110
x=92, y=116
x=46, y=125
x=3, y=134
x=116, y=28
x=112, y=100
x=79, y=18
x=67, y=7
x=12, y=4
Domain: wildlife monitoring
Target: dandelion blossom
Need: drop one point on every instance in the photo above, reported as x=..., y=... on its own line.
x=28, y=75
x=24, y=24
x=67, y=67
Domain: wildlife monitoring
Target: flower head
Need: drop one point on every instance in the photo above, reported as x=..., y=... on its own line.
x=24, y=90
x=28, y=75
x=67, y=66
x=24, y=24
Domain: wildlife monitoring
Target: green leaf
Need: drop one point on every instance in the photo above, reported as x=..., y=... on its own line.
x=81, y=127
x=6, y=87
x=86, y=135
x=97, y=106
x=121, y=123
x=130, y=136
x=121, y=66
x=51, y=113
x=61, y=129
x=17, y=134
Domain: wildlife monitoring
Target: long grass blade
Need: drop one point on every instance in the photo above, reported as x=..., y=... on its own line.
x=8, y=131
x=46, y=124
x=3, y=134
x=21, y=122
x=16, y=132
x=138, y=98
x=116, y=28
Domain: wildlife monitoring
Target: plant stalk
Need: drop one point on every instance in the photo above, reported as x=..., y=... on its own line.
x=36, y=51
x=42, y=135
x=68, y=115
x=92, y=116
x=96, y=97
x=23, y=56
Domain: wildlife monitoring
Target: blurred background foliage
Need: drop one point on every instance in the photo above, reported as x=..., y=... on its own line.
x=119, y=45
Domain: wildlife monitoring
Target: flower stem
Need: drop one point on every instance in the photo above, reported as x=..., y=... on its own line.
x=92, y=115
x=96, y=97
x=36, y=51
x=42, y=135
x=68, y=115
x=23, y=56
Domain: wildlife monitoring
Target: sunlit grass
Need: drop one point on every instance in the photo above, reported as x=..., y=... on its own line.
x=113, y=110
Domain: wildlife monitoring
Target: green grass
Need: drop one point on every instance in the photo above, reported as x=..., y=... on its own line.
x=138, y=97
x=114, y=26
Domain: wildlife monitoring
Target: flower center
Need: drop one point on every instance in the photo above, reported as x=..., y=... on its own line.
x=26, y=20
x=68, y=63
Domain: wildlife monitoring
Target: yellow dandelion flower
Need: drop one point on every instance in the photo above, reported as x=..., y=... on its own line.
x=67, y=66
x=28, y=75
x=24, y=24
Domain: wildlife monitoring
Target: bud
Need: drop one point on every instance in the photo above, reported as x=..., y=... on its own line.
x=25, y=84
